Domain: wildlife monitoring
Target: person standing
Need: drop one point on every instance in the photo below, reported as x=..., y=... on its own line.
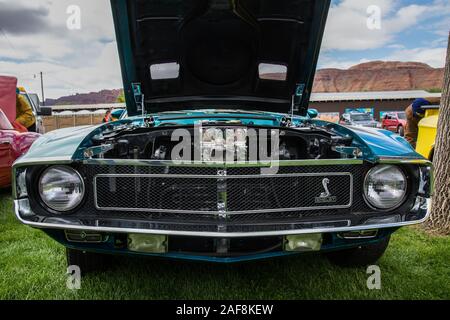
x=414, y=113
x=24, y=113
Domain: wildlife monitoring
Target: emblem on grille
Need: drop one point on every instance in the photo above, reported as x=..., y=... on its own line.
x=326, y=197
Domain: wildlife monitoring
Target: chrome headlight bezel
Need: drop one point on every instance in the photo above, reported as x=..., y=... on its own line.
x=60, y=209
x=377, y=206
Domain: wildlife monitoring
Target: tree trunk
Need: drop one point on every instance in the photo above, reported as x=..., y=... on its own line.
x=439, y=221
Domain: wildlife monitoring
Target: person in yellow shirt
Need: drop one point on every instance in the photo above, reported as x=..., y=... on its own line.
x=24, y=113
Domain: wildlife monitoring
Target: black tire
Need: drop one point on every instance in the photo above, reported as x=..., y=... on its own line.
x=87, y=261
x=359, y=256
x=401, y=131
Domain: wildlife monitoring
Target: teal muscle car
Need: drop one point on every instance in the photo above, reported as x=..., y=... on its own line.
x=220, y=159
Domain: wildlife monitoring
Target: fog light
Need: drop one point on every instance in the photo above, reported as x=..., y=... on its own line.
x=147, y=243
x=303, y=242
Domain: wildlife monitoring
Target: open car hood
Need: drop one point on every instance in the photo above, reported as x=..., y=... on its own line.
x=243, y=54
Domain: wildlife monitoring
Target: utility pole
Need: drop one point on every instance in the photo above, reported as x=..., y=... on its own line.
x=42, y=89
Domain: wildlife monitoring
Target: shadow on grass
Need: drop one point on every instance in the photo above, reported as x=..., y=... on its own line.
x=5, y=191
x=293, y=277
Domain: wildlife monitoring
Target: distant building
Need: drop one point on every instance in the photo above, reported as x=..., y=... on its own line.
x=379, y=101
x=330, y=102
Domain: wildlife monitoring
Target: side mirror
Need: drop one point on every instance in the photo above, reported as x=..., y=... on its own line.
x=313, y=113
x=45, y=111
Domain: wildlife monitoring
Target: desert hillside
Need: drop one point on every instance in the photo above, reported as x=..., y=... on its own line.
x=379, y=76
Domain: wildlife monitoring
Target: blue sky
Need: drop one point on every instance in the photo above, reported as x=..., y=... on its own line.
x=86, y=59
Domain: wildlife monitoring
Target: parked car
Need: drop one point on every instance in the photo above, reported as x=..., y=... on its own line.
x=38, y=110
x=156, y=184
x=395, y=122
x=13, y=144
x=427, y=132
x=359, y=119
x=115, y=114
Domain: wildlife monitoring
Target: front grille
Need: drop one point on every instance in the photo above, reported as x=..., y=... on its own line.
x=250, y=199
x=296, y=191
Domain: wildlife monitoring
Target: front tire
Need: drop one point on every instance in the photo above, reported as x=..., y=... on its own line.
x=360, y=256
x=87, y=261
x=401, y=131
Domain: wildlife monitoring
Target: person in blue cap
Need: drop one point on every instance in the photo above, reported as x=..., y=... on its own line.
x=414, y=113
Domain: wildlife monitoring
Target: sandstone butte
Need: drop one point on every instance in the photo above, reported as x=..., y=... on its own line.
x=379, y=76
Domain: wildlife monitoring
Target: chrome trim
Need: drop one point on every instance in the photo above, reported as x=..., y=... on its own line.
x=83, y=187
x=43, y=160
x=20, y=163
x=218, y=234
x=209, y=164
x=370, y=204
x=219, y=212
x=398, y=160
x=356, y=237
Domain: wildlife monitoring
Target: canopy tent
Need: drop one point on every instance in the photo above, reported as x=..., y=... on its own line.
x=8, y=96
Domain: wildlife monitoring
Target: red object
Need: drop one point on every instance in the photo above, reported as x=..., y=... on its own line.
x=394, y=121
x=8, y=96
x=18, y=127
x=13, y=144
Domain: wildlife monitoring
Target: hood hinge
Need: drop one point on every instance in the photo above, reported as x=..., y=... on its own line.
x=297, y=98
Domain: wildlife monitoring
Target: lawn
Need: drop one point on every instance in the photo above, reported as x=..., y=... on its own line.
x=32, y=266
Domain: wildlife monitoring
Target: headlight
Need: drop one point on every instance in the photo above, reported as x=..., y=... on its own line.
x=61, y=188
x=385, y=186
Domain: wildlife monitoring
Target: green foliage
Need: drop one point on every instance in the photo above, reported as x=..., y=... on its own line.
x=434, y=90
x=121, y=97
x=32, y=266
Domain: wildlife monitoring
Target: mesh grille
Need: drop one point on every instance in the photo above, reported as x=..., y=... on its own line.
x=157, y=193
x=246, y=193
x=200, y=195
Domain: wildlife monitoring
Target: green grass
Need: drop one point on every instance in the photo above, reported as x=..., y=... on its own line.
x=32, y=266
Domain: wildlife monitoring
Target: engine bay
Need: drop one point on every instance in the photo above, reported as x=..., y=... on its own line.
x=217, y=142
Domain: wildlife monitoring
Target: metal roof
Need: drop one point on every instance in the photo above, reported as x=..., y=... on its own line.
x=89, y=106
x=371, y=95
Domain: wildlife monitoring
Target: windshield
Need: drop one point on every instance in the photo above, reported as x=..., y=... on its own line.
x=4, y=122
x=401, y=115
x=361, y=117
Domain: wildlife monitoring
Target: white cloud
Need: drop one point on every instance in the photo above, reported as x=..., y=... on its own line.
x=435, y=57
x=72, y=60
x=328, y=62
x=347, y=24
x=102, y=73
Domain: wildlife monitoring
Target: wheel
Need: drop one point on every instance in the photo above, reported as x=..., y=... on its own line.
x=87, y=261
x=359, y=256
x=401, y=131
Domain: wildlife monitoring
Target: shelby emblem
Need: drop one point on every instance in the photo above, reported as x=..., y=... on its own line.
x=326, y=197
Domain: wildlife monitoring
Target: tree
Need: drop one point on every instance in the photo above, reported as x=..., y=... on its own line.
x=121, y=97
x=440, y=215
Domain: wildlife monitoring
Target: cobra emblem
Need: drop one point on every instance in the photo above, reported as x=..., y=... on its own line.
x=327, y=193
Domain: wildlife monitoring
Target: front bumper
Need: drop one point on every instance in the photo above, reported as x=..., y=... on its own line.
x=420, y=212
